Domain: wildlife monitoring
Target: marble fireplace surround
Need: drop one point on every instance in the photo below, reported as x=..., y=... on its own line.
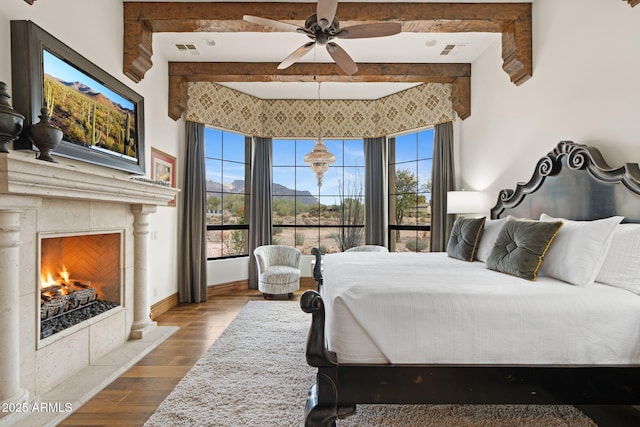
x=39, y=198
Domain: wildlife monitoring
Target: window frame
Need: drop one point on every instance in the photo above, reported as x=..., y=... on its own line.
x=247, y=193
x=318, y=225
x=393, y=228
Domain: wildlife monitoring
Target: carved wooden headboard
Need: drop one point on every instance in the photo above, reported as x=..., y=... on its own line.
x=574, y=181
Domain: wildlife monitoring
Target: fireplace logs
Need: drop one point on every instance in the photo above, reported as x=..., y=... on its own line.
x=57, y=299
x=67, y=303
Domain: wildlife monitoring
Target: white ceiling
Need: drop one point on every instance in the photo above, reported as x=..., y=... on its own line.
x=275, y=46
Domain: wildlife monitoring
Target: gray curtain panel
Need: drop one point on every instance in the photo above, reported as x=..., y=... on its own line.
x=442, y=180
x=192, y=268
x=375, y=190
x=260, y=203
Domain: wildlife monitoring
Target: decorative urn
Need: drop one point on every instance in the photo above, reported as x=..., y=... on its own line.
x=11, y=122
x=45, y=136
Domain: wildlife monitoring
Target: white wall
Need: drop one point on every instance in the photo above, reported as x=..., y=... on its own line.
x=94, y=29
x=585, y=88
x=227, y=270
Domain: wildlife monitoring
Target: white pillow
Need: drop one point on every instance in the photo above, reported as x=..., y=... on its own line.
x=492, y=228
x=621, y=267
x=579, y=249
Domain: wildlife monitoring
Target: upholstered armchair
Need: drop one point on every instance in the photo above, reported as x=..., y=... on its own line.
x=278, y=269
x=368, y=248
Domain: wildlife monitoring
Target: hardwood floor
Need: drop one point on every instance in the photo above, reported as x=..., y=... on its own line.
x=131, y=399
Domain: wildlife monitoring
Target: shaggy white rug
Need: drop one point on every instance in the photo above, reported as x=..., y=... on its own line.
x=256, y=374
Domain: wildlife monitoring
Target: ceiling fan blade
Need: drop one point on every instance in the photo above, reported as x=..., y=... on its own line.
x=278, y=25
x=342, y=58
x=363, y=31
x=296, y=55
x=326, y=11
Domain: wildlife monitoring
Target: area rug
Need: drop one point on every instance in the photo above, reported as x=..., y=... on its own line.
x=255, y=374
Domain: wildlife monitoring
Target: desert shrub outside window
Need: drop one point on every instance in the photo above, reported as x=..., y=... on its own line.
x=410, y=165
x=330, y=217
x=228, y=167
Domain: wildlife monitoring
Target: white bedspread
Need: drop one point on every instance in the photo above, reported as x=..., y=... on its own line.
x=429, y=308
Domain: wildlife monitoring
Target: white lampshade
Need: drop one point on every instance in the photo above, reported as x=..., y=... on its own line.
x=466, y=202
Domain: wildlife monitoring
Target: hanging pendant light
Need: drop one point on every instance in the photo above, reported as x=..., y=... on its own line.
x=319, y=158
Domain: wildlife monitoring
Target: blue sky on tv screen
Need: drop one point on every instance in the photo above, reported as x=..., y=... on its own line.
x=56, y=67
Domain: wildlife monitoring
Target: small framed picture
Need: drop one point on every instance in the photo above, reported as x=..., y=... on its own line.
x=163, y=168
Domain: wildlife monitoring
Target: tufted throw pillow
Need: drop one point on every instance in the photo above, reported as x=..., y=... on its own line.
x=521, y=246
x=464, y=238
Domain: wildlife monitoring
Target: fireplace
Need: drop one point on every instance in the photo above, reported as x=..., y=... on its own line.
x=80, y=278
x=93, y=225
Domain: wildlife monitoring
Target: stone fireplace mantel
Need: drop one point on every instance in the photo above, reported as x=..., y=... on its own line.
x=41, y=197
x=20, y=175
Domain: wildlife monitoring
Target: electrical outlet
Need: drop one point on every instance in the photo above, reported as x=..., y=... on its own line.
x=155, y=292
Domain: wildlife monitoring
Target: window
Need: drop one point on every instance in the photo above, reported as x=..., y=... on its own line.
x=330, y=217
x=227, y=158
x=410, y=162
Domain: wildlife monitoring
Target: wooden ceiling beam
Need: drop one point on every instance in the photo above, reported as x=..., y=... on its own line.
x=227, y=16
x=181, y=73
x=513, y=20
x=517, y=59
x=317, y=72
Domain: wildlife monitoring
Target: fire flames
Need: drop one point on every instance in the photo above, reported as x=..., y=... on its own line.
x=47, y=279
x=61, y=293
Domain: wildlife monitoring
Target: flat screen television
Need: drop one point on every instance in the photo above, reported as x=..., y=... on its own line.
x=102, y=119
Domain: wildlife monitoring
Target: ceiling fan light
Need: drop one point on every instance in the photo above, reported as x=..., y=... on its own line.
x=322, y=27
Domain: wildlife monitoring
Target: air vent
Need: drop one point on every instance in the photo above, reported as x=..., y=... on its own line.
x=452, y=48
x=187, y=48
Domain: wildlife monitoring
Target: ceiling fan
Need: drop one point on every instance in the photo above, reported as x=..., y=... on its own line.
x=322, y=27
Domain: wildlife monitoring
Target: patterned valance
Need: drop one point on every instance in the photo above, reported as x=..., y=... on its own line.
x=415, y=108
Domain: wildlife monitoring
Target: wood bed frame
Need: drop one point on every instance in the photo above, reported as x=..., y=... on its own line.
x=579, y=185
